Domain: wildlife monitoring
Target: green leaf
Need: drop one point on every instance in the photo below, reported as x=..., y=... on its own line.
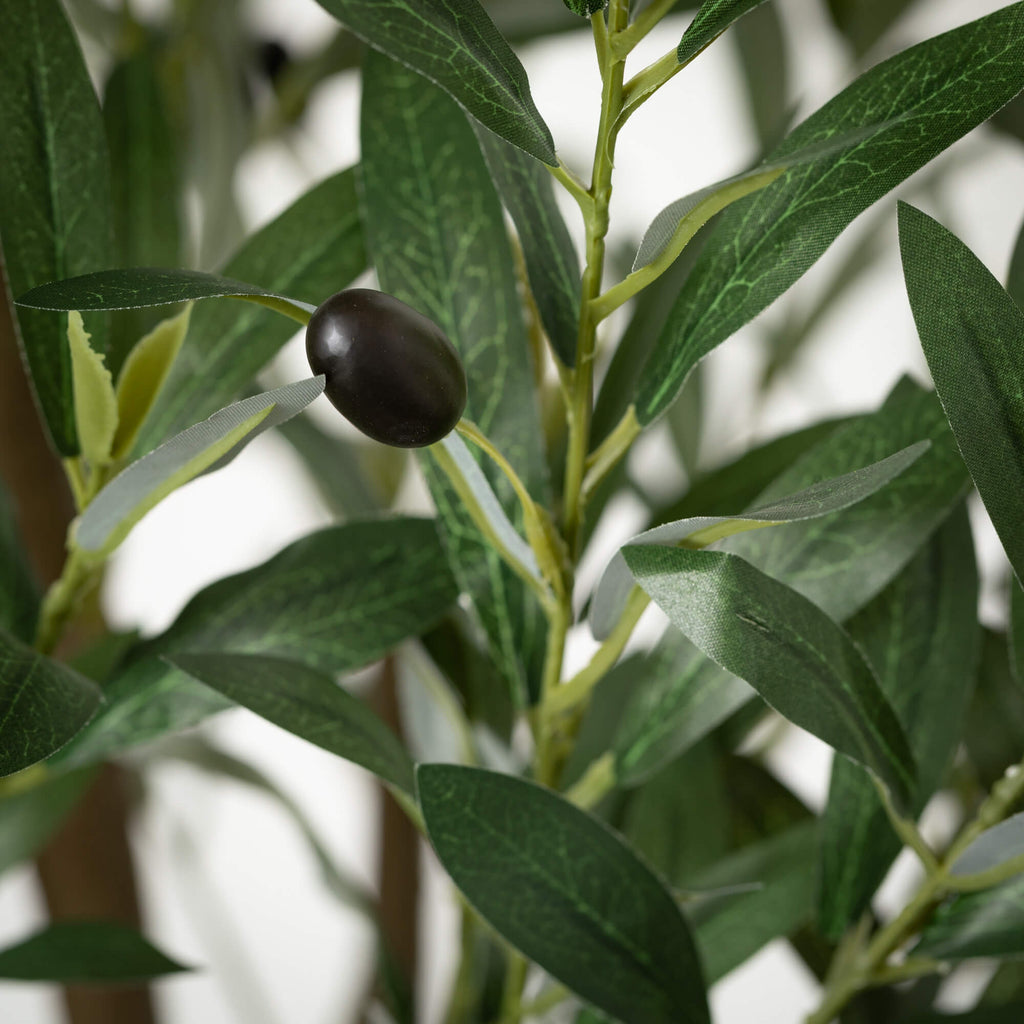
x=203, y=448
x=131, y=287
x=307, y=703
x=731, y=928
x=911, y=107
x=764, y=60
x=986, y=923
x=842, y=561
x=820, y=499
x=971, y=331
x=790, y=651
x=552, y=265
x=54, y=189
x=145, y=179
x=994, y=734
x=143, y=375
x=921, y=636
x=864, y=22
x=737, y=484
x=1016, y=634
x=713, y=18
x=456, y=45
x=83, y=952
x=32, y=809
x=676, y=698
x=1015, y=275
x=93, y=388
x=42, y=705
x=566, y=891
x=334, y=600
x=437, y=234
x=19, y=591
x=585, y=8
x=303, y=253
x=995, y=846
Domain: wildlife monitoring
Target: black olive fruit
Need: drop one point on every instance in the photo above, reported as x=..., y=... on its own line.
x=389, y=370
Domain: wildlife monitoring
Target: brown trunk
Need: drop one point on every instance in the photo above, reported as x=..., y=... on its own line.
x=87, y=868
x=399, y=854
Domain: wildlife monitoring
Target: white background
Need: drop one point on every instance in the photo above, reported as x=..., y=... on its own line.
x=227, y=882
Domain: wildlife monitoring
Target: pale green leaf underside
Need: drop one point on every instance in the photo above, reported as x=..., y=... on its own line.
x=919, y=102
x=201, y=449
x=819, y=499
x=998, y=844
x=791, y=652
x=987, y=923
x=971, y=332
x=566, y=891
x=95, y=403
x=456, y=45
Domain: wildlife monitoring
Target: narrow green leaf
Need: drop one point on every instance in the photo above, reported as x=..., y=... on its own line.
x=1015, y=275
x=310, y=251
x=551, y=262
x=820, y=499
x=83, y=952
x=334, y=600
x=201, y=449
x=676, y=698
x=738, y=483
x=19, y=591
x=307, y=703
x=1016, y=633
x=921, y=636
x=456, y=45
x=32, y=809
x=566, y=891
x=993, y=847
x=713, y=18
x=764, y=59
x=971, y=332
x=54, y=189
x=842, y=561
x=93, y=390
x=437, y=234
x=42, y=705
x=790, y=651
x=131, y=287
x=731, y=928
x=994, y=734
x=145, y=180
x=143, y=375
x=680, y=819
x=864, y=22
x=986, y=923
x=911, y=107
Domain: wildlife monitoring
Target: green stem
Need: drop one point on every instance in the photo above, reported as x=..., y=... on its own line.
x=581, y=407
x=512, y=997
x=644, y=22
x=460, y=1005
x=63, y=597
x=572, y=184
x=603, y=459
x=577, y=689
x=595, y=782
x=906, y=829
x=870, y=967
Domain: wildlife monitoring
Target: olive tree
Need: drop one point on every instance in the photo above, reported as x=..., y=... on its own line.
x=616, y=838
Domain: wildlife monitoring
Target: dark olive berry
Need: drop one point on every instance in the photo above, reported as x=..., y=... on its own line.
x=390, y=370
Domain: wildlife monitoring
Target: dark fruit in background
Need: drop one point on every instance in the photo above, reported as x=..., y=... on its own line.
x=390, y=371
